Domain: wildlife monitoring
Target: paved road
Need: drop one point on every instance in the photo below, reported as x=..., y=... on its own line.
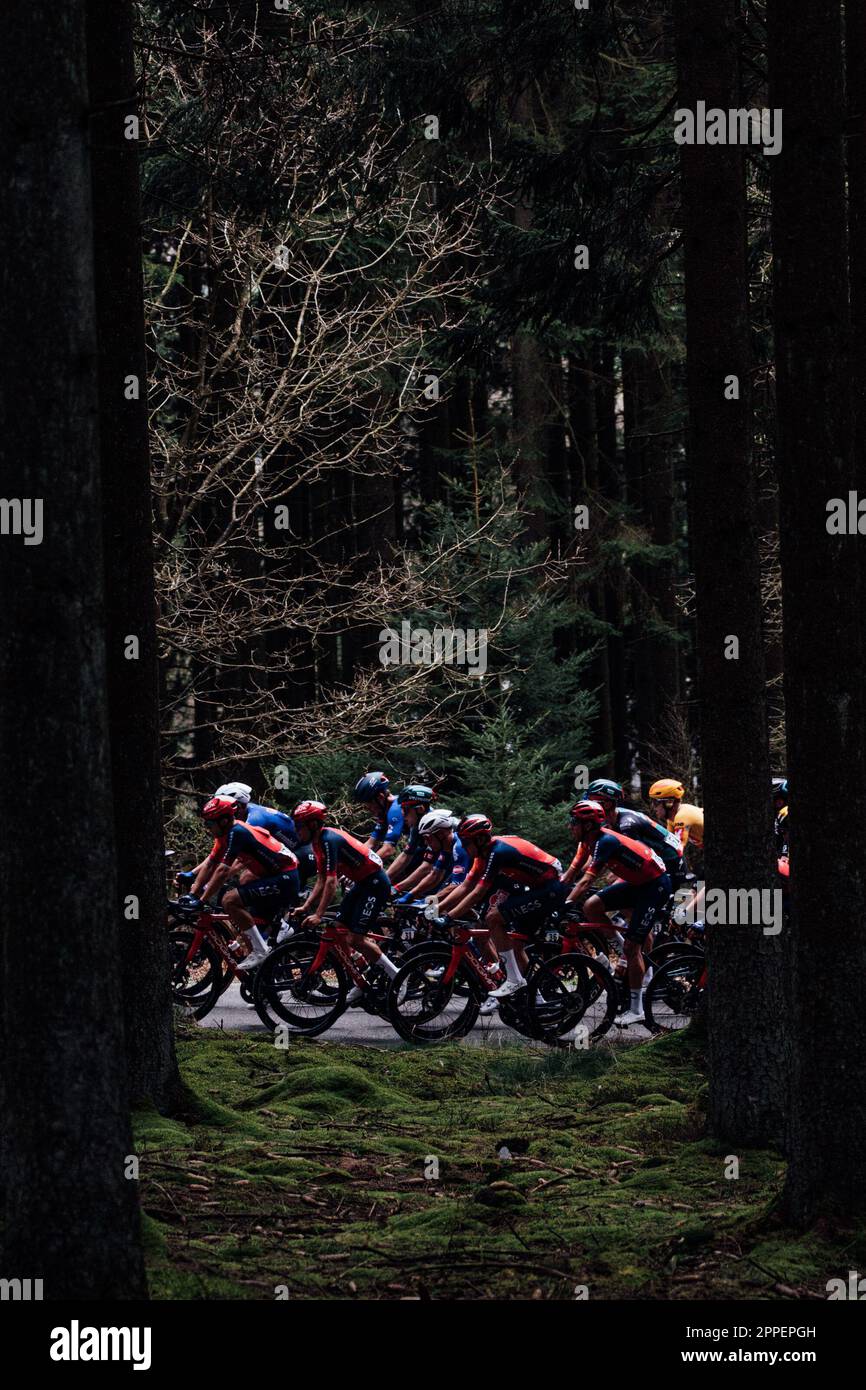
x=357, y=1026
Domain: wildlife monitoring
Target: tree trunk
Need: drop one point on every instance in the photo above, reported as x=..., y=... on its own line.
x=823, y=618
x=747, y=1018
x=133, y=708
x=71, y=1215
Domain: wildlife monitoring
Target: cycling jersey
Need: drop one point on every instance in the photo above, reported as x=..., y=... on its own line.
x=390, y=828
x=454, y=863
x=637, y=826
x=254, y=849
x=631, y=860
x=689, y=825
x=511, y=861
x=339, y=852
x=414, y=851
x=277, y=823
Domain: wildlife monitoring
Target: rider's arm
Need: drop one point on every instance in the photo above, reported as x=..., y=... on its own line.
x=202, y=872
x=399, y=865
x=216, y=880
x=576, y=864
x=326, y=889
x=583, y=884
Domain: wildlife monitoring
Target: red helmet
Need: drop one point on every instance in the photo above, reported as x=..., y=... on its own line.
x=218, y=807
x=474, y=825
x=587, y=813
x=310, y=810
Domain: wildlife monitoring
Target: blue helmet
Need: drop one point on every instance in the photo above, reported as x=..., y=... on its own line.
x=370, y=785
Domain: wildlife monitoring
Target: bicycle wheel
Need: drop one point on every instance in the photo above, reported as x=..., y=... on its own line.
x=288, y=991
x=196, y=984
x=571, y=990
x=672, y=950
x=675, y=993
x=424, y=1010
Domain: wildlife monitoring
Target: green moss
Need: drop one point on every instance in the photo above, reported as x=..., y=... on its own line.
x=379, y=1173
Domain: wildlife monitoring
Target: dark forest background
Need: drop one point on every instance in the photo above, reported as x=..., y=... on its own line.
x=288, y=371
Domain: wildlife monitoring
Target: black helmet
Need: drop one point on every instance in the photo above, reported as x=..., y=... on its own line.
x=604, y=787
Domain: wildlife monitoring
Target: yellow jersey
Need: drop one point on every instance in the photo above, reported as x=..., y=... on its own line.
x=688, y=824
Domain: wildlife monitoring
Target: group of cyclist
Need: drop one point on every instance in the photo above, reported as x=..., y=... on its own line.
x=415, y=851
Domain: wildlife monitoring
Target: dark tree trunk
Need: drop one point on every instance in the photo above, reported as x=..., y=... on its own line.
x=855, y=48
x=71, y=1216
x=611, y=484
x=133, y=709
x=749, y=1054
x=823, y=637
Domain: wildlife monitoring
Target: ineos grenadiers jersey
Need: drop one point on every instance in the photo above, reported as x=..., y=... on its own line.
x=512, y=861
x=630, y=860
x=277, y=823
x=389, y=830
x=454, y=863
x=254, y=849
x=338, y=852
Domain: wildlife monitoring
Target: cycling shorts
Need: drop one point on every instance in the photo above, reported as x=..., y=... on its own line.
x=266, y=896
x=364, y=901
x=527, y=911
x=644, y=899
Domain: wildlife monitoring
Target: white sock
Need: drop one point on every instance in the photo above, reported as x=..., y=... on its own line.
x=637, y=1001
x=620, y=941
x=387, y=965
x=512, y=969
x=257, y=942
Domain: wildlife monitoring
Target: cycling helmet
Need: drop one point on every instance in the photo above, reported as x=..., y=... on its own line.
x=440, y=819
x=780, y=786
x=667, y=787
x=587, y=813
x=603, y=787
x=238, y=791
x=218, y=807
x=309, y=810
x=474, y=825
x=370, y=785
x=416, y=795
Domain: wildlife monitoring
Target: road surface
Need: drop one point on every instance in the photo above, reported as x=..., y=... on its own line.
x=357, y=1026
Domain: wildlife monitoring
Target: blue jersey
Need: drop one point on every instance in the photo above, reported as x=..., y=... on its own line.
x=277, y=823
x=454, y=863
x=390, y=829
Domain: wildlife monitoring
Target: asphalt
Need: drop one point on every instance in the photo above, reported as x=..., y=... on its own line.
x=357, y=1026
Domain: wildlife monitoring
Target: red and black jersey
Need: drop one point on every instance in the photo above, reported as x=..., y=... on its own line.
x=338, y=852
x=631, y=860
x=511, y=861
x=255, y=849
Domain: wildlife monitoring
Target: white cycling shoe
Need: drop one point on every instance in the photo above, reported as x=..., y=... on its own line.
x=503, y=991
x=628, y=1018
x=490, y=1006
x=286, y=930
x=252, y=961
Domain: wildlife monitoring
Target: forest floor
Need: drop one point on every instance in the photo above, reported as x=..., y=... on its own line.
x=311, y=1173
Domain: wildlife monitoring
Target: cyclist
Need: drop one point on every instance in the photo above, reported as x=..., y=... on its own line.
x=338, y=852
x=277, y=823
x=408, y=868
x=270, y=882
x=683, y=819
x=780, y=805
x=446, y=861
x=642, y=885
x=529, y=878
x=373, y=790
x=636, y=825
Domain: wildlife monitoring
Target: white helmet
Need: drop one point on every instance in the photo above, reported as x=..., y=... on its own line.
x=238, y=791
x=440, y=819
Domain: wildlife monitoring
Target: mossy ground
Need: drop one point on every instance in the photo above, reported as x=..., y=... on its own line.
x=310, y=1169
